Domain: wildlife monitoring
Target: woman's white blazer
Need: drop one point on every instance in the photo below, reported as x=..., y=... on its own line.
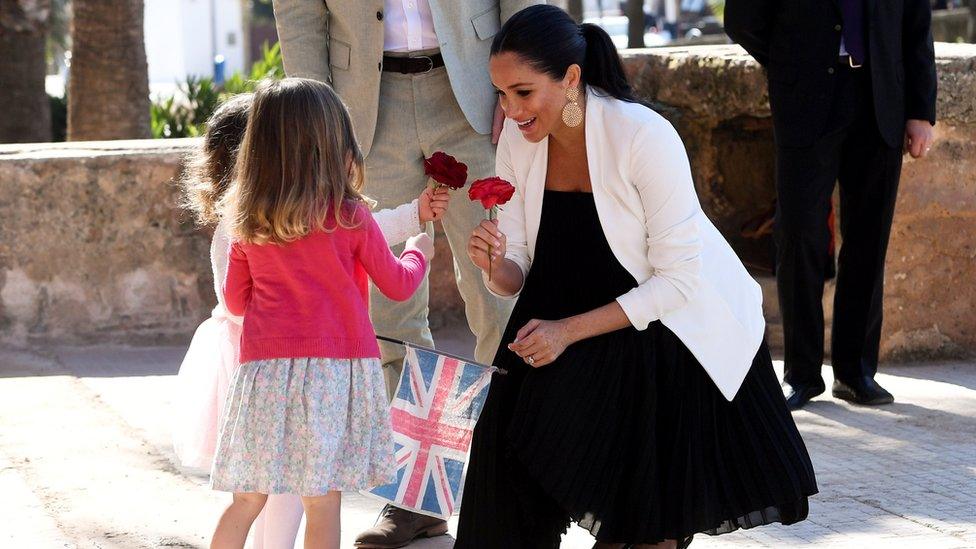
x=688, y=276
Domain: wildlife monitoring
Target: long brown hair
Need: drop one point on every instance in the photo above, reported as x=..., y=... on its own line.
x=299, y=168
x=210, y=169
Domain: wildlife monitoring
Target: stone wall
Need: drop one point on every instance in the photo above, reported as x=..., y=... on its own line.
x=93, y=248
x=716, y=98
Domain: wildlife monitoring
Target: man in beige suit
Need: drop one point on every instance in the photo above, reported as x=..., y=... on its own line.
x=414, y=74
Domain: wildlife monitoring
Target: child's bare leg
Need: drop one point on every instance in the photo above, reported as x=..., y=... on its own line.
x=232, y=529
x=322, y=521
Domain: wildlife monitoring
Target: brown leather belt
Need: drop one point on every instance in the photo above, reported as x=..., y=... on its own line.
x=412, y=65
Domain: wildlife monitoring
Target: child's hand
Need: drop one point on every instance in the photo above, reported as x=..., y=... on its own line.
x=432, y=203
x=424, y=243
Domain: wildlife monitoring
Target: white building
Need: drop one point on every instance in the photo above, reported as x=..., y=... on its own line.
x=184, y=36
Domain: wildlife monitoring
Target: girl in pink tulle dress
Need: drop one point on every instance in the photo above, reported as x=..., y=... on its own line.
x=212, y=358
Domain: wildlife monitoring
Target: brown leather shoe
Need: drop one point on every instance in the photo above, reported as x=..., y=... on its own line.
x=398, y=527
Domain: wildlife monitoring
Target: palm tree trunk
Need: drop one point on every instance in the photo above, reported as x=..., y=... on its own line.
x=108, y=88
x=575, y=9
x=635, y=26
x=972, y=21
x=23, y=31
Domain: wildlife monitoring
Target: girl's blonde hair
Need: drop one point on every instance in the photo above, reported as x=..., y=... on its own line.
x=299, y=169
x=210, y=169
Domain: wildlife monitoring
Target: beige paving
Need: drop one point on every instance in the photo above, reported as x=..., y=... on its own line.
x=85, y=460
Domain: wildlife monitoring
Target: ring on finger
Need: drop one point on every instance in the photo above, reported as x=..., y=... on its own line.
x=530, y=360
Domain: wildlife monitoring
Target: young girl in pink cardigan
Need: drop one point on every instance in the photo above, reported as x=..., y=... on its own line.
x=212, y=358
x=307, y=411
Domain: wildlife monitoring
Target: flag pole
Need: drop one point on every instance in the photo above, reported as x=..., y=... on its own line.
x=449, y=355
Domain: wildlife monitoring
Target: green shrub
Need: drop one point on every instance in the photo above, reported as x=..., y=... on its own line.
x=184, y=115
x=169, y=118
x=269, y=66
x=718, y=8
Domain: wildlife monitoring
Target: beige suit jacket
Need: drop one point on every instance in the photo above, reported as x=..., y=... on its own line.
x=341, y=42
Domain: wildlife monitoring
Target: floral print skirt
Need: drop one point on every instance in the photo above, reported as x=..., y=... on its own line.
x=305, y=426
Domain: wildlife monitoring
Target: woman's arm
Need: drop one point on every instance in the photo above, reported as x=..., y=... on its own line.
x=545, y=340
x=506, y=236
x=660, y=172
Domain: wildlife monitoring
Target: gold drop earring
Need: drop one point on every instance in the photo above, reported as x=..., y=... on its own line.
x=572, y=112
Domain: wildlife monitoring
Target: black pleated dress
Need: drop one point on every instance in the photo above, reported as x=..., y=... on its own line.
x=624, y=433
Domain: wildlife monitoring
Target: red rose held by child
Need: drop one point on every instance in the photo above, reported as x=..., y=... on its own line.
x=446, y=170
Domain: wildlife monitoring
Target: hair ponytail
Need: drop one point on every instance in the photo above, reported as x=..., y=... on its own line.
x=547, y=38
x=602, y=67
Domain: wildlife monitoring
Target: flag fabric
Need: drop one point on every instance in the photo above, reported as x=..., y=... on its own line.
x=434, y=411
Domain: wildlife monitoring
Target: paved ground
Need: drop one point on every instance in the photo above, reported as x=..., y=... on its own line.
x=85, y=460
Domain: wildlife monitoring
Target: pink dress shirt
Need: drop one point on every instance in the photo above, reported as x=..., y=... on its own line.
x=408, y=26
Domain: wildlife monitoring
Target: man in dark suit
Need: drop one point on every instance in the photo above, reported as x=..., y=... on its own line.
x=852, y=87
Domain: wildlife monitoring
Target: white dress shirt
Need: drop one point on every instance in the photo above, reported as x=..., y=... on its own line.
x=408, y=26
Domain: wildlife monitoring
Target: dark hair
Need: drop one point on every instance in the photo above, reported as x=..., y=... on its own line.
x=210, y=169
x=547, y=38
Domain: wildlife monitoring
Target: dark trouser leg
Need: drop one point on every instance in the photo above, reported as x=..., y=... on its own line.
x=805, y=178
x=868, y=176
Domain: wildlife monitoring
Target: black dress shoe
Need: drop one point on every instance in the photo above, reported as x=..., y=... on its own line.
x=798, y=395
x=863, y=390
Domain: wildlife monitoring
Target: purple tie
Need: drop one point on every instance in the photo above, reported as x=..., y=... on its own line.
x=852, y=13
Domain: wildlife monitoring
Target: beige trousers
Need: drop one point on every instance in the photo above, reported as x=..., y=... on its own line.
x=419, y=115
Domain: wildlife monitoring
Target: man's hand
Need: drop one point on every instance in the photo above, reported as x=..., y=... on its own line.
x=919, y=137
x=497, y=122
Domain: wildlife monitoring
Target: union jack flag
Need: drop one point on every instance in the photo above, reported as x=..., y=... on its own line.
x=434, y=412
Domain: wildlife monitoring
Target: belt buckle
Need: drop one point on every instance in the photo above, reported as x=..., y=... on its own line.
x=850, y=61
x=430, y=62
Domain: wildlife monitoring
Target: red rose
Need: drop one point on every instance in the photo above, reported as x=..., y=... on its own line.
x=446, y=170
x=491, y=191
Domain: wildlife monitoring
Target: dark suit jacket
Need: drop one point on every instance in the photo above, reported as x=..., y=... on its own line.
x=797, y=41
